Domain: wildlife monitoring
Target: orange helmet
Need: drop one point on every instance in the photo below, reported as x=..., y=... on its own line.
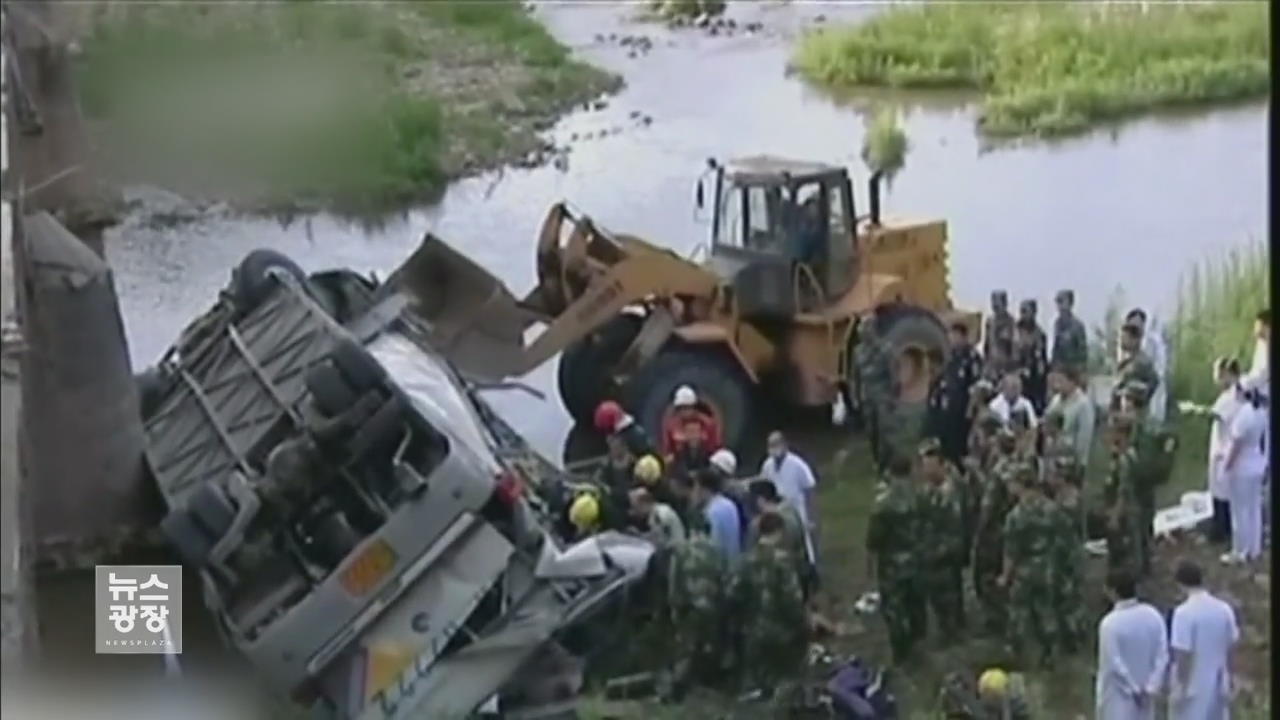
x=608, y=413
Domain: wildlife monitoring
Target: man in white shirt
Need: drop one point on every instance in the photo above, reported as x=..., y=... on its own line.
x=1203, y=635
x=1010, y=400
x=1132, y=654
x=792, y=476
x=1153, y=346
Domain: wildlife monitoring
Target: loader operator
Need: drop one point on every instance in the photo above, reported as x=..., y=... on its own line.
x=612, y=421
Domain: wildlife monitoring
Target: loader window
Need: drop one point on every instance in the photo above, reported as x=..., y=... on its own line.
x=764, y=210
x=729, y=226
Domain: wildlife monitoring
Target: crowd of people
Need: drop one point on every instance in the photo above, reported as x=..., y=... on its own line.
x=993, y=503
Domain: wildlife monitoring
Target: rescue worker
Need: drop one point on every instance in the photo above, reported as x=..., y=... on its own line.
x=1068, y=561
x=942, y=557
x=765, y=594
x=1134, y=364
x=648, y=473
x=1150, y=470
x=1054, y=442
x=1032, y=362
x=1070, y=341
x=1119, y=499
x=765, y=496
x=988, y=550
x=721, y=515
x=656, y=521
x=1031, y=534
x=584, y=515
x=687, y=422
x=877, y=383
x=892, y=554
x=696, y=599
x=949, y=405
x=997, y=341
x=611, y=420
x=1078, y=414
x=984, y=425
x=996, y=697
x=1153, y=346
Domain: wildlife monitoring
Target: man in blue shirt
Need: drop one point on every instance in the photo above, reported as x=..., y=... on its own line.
x=721, y=515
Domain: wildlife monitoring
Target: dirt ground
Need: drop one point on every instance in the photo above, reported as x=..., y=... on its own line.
x=845, y=490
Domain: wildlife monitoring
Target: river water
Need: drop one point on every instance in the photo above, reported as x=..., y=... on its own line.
x=1130, y=206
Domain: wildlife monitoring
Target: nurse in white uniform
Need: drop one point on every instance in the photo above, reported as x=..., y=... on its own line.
x=1132, y=655
x=1227, y=374
x=1245, y=466
x=1202, y=636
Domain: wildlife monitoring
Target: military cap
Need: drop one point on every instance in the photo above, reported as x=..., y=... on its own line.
x=1068, y=295
x=999, y=295
x=930, y=446
x=1028, y=304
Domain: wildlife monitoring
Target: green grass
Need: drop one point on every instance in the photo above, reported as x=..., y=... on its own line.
x=884, y=148
x=1217, y=302
x=361, y=106
x=1053, y=68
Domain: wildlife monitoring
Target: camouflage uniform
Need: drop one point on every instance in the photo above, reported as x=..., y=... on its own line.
x=997, y=341
x=1032, y=535
x=943, y=554
x=1070, y=343
x=1032, y=361
x=1068, y=568
x=893, y=541
x=697, y=603
x=876, y=383
x=1135, y=367
x=988, y=550
x=765, y=593
x=1120, y=503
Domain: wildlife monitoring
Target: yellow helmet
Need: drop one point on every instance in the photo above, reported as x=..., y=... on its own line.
x=993, y=683
x=648, y=469
x=585, y=511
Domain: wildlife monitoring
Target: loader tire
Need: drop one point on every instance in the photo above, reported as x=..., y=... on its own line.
x=908, y=327
x=899, y=422
x=211, y=509
x=716, y=378
x=585, y=366
x=254, y=278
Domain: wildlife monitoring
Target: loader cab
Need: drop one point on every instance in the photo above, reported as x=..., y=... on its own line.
x=776, y=223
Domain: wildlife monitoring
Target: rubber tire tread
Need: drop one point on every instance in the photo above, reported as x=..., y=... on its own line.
x=252, y=282
x=211, y=509
x=361, y=370
x=584, y=366
x=713, y=376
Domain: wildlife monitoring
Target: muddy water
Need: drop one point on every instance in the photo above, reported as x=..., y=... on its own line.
x=1130, y=206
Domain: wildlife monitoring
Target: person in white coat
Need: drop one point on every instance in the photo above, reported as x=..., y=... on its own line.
x=1226, y=373
x=1153, y=345
x=1133, y=654
x=1244, y=467
x=1259, y=380
x=1202, y=636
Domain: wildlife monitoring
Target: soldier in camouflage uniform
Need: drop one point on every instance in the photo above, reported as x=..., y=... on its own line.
x=1119, y=498
x=765, y=593
x=1070, y=341
x=1153, y=447
x=997, y=340
x=980, y=397
x=892, y=549
x=1031, y=537
x=1055, y=443
x=876, y=383
x=943, y=544
x=1068, y=560
x=988, y=550
x=1031, y=355
x=1134, y=366
x=697, y=602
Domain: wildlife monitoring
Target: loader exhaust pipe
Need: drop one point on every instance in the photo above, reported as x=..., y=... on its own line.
x=873, y=196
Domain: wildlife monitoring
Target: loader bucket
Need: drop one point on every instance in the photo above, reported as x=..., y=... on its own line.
x=470, y=315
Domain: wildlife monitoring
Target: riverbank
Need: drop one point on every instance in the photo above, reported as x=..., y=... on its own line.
x=1053, y=68
x=356, y=107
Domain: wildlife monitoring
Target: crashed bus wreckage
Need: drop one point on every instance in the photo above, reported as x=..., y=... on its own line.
x=370, y=536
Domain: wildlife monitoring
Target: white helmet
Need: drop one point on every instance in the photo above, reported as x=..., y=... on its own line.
x=685, y=397
x=725, y=461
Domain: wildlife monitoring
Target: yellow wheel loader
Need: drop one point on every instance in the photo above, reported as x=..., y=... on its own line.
x=769, y=315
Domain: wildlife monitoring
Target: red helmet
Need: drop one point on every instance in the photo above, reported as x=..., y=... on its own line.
x=608, y=413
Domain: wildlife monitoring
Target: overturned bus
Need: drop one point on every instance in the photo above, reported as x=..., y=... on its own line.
x=370, y=536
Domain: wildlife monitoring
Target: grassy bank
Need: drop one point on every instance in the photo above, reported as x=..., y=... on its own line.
x=355, y=106
x=1217, y=302
x=1053, y=68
